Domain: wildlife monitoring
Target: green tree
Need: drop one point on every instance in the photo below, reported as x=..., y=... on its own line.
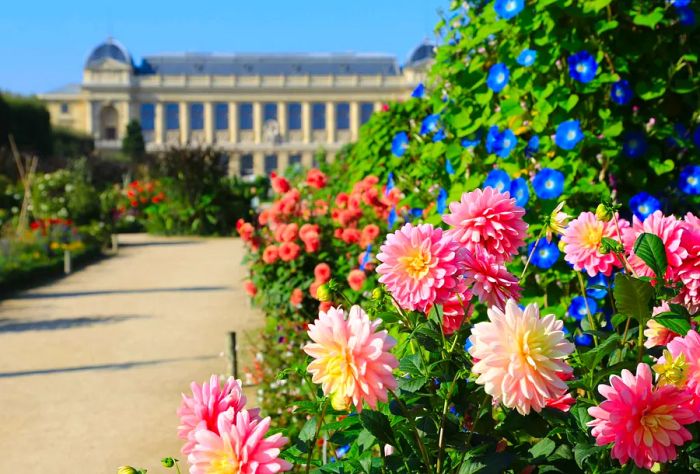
x=133, y=144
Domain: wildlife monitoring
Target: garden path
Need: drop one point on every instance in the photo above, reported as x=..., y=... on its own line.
x=92, y=365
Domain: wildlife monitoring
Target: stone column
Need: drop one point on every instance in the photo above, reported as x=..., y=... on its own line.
x=330, y=122
x=259, y=163
x=90, y=115
x=234, y=164
x=208, y=123
x=233, y=122
x=257, y=122
x=124, y=117
x=307, y=159
x=282, y=121
x=306, y=122
x=159, y=126
x=184, y=123
x=282, y=161
x=354, y=120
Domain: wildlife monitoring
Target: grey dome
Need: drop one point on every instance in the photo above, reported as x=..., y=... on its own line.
x=110, y=49
x=423, y=52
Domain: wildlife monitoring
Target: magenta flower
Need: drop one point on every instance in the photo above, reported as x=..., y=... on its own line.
x=689, y=270
x=419, y=266
x=488, y=220
x=489, y=279
x=669, y=229
x=582, y=240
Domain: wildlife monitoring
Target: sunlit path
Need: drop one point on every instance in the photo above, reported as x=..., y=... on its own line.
x=91, y=366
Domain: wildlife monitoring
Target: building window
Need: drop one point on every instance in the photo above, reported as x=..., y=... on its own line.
x=294, y=116
x=172, y=116
x=247, y=165
x=318, y=116
x=269, y=112
x=221, y=116
x=148, y=114
x=294, y=160
x=366, y=110
x=197, y=116
x=65, y=108
x=245, y=116
x=270, y=164
x=110, y=133
x=342, y=116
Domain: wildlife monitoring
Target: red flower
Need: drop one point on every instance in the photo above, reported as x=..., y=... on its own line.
x=322, y=272
x=351, y=236
x=316, y=179
x=279, y=184
x=270, y=254
x=289, y=232
x=324, y=306
x=250, y=288
x=356, y=279
x=296, y=297
x=288, y=251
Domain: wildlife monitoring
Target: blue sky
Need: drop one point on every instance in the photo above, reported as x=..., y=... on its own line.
x=44, y=43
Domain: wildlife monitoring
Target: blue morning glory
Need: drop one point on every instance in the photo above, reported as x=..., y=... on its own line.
x=546, y=254
x=442, y=201
x=621, y=92
x=527, y=57
x=365, y=257
x=520, y=191
x=508, y=9
x=634, y=144
x=342, y=451
x=416, y=212
x=498, y=180
x=439, y=135
x=689, y=180
x=585, y=340
x=680, y=3
x=500, y=143
x=568, y=134
x=399, y=144
x=419, y=91
x=391, y=220
x=577, y=308
x=430, y=124
x=471, y=142
x=467, y=345
x=533, y=144
x=448, y=166
x=582, y=66
x=498, y=77
x=597, y=286
x=548, y=183
x=389, y=183
x=644, y=204
x=686, y=16
x=696, y=136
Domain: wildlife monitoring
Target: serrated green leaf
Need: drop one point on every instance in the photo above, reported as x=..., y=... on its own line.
x=675, y=322
x=309, y=430
x=543, y=448
x=593, y=357
x=378, y=424
x=651, y=249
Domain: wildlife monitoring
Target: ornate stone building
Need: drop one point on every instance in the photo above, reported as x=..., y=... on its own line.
x=265, y=111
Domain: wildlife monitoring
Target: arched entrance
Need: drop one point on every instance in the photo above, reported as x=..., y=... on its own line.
x=109, y=121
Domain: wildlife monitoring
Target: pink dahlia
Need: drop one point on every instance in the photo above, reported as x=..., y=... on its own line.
x=582, y=239
x=456, y=310
x=655, y=333
x=688, y=273
x=489, y=220
x=205, y=405
x=352, y=361
x=238, y=446
x=419, y=266
x=689, y=347
x=644, y=423
x=489, y=279
x=669, y=229
x=520, y=357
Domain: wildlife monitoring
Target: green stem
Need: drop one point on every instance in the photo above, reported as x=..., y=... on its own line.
x=441, y=437
x=588, y=309
x=411, y=421
x=318, y=430
x=532, y=252
x=471, y=432
x=177, y=466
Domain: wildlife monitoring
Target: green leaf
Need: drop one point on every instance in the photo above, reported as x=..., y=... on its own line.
x=632, y=297
x=412, y=384
x=648, y=90
x=543, y=449
x=675, y=322
x=650, y=248
x=661, y=167
x=650, y=19
x=593, y=357
x=613, y=130
x=580, y=413
x=309, y=430
x=583, y=452
x=412, y=364
x=378, y=424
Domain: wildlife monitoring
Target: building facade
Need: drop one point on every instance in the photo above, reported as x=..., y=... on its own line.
x=266, y=111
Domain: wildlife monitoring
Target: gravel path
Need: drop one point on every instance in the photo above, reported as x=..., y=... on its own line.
x=92, y=365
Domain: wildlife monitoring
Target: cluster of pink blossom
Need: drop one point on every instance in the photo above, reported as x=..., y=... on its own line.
x=423, y=265
x=221, y=435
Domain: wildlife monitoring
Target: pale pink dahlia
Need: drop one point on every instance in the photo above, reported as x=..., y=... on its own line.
x=520, y=357
x=669, y=229
x=488, y=220
x=489, y=279
x=206, y=403
x=238, y=446
x=352, y=361
x=582, y=239
x=644, y=423
x=655, y=333
x=688, y=273
x=419, y=266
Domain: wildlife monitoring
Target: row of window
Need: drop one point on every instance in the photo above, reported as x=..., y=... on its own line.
x=270, y=163
x=245, y=115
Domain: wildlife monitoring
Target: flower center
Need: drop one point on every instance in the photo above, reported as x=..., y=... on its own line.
x=417, y=265
x=592, y=236
x=644, y=209
x=549, y=184
x=692, y=180
x=510, y=6
x=580, y=67
x=225, y=463
x=500, y=77
x=571, y=135
x=651, y=423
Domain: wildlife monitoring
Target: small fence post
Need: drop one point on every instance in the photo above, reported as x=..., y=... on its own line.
x=67, y=263
x=233, y=354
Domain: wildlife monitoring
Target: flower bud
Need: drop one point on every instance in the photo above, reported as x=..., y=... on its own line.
x=377, y=294
x=603, y=213
x=323, y=293
x=127, y=470
x=168, y=462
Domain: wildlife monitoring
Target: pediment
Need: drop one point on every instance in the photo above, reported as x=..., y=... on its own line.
x=109, y=64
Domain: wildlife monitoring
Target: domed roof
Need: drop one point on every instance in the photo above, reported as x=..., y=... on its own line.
x=110, y=49
x=423, y=52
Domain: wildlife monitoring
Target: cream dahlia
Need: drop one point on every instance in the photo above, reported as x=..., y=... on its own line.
x=419, y=266
x=352, y=361
x=582, y=240
x=520, y=357
x=489, y=220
